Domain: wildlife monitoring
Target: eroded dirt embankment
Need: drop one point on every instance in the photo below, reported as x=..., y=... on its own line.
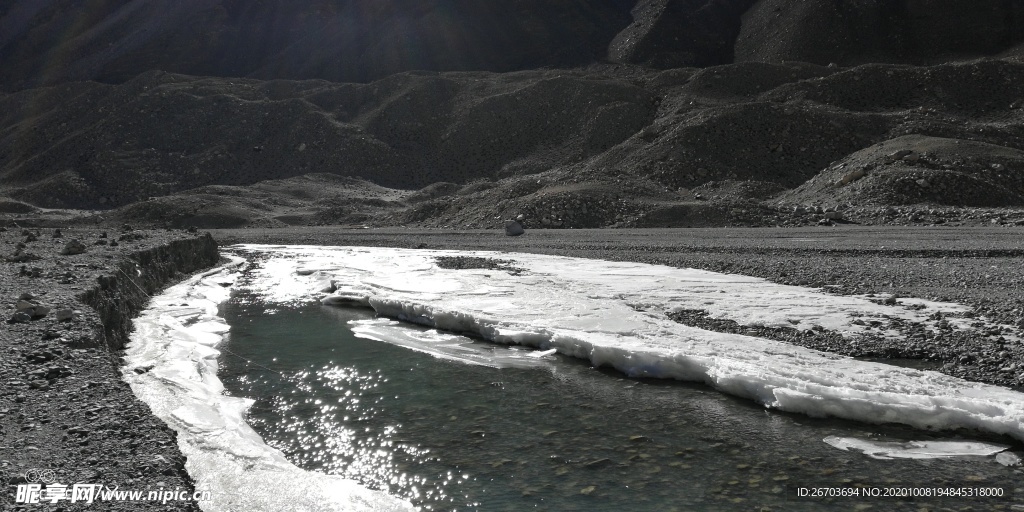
x=64, y=409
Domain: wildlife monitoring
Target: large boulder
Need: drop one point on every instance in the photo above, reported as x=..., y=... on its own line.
x=513, y=228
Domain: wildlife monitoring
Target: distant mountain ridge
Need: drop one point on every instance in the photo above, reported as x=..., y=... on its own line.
x=571, y=113
x=45, y=42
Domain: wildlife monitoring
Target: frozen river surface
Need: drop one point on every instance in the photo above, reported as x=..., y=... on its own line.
x=458, y=422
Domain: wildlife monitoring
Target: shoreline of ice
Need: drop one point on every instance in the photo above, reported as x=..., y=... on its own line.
x=612, y=314
x=174, y=347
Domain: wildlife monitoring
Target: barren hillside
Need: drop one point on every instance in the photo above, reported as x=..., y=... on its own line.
x=620, y=131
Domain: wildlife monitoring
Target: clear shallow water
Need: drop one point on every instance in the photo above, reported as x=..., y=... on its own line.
x=559, y=436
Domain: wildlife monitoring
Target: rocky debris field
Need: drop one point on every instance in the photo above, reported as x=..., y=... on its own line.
x=747, y=144
x=66, y=416
x=979, y=267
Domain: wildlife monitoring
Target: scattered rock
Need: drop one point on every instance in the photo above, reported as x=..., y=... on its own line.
x=73, y=247
x=22, y=256
x=852, y=176
x=513, y=228
x=897, y=155
x=64, y=314
x=20, y=317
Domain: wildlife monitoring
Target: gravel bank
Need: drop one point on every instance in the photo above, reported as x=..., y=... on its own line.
x=65, y=412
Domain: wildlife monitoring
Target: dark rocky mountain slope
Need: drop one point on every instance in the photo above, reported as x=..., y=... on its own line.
x=45, y=42
x=575, y=113
x=606, y=145
x=895, y=31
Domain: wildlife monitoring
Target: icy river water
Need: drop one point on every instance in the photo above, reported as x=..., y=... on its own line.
x=551, y=434
x=293, y=385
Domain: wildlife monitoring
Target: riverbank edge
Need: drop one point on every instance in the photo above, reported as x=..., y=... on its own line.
x=102, y=433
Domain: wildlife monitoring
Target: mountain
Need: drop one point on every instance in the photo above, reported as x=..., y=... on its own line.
x=50, y=41
x=573, y=113
x=44, y=42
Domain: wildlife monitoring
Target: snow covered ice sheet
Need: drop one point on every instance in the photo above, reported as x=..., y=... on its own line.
x=613, y=314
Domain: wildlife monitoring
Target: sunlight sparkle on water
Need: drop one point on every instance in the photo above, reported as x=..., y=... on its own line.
x=335, y=437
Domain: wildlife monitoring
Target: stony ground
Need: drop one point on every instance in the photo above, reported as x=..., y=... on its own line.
x=65, y=412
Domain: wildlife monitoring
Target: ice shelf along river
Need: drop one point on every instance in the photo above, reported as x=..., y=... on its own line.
x=350, y=378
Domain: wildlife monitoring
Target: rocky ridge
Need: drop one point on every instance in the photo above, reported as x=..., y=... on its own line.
x=596, y=147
